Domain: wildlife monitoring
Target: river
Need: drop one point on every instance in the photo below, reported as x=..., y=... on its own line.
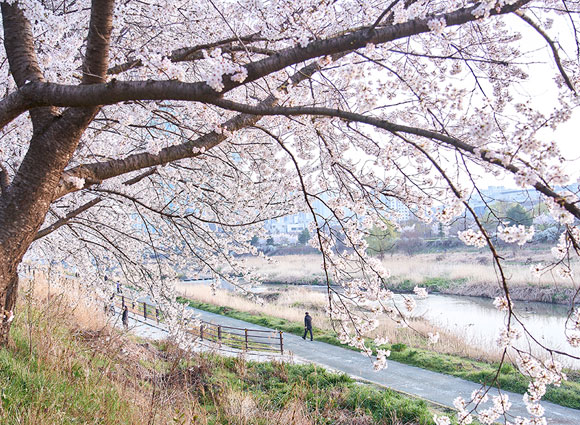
x=477, y=321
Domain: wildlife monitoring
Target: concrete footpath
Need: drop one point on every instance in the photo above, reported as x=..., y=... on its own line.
x=429, y=385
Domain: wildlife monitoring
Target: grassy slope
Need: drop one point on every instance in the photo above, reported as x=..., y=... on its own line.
x=62, y=385
x=70, y=376
x=510, y=379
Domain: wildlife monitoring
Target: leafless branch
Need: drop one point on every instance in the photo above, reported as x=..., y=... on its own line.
x=66, y=219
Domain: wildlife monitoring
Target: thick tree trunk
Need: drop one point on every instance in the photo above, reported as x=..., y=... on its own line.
x=8, y=303
x=25, y=202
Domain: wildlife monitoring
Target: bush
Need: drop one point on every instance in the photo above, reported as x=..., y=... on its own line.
x=398, y=347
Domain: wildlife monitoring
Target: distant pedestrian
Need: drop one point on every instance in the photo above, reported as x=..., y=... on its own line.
x=307, y=326
x=118, y=288
x=112, y=305
x=125, y=318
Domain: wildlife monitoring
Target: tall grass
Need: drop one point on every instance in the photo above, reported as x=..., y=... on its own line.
x=290, y=305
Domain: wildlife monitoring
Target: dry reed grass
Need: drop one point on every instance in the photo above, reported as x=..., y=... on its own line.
x=470, y=267
x=415, y=336
x=66, y=296
x=290, y=305
x=71, y=337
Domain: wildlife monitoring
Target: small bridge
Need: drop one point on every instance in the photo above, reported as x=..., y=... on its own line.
x=250, y=340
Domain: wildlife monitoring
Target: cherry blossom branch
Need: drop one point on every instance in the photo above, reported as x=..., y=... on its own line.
x=162, y=213
x=189, y=54
x=305, y=193
x=497, y=260
x=66, y=219
x=383, y=14
x=100, y=171
x=141, y=176
x=483, y=154
x=552, y=45
x=43, y=94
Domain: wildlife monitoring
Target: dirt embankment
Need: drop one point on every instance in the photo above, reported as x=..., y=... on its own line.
x=555, y=294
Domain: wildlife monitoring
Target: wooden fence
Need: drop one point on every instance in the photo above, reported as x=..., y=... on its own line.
x=240, y=338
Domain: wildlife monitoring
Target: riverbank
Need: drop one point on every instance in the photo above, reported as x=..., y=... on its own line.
x=456, y=273
x=461, y=287
x=466, y=368
x=66, y=365
x=439, y=285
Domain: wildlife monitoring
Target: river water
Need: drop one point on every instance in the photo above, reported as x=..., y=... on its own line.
x=478, y=322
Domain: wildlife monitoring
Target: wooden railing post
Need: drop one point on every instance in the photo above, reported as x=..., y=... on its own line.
x=123, y=301
x=157, y=314
x=201, y=331
x=246, y=331
x=281, y=343
x=220, y=335
x=145, y=310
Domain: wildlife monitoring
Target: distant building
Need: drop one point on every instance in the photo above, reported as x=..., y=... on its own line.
x=398, y=209
x=528, y=198
x=295, y=223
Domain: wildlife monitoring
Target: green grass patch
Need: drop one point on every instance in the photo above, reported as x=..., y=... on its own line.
x=568, y=394
x=324, y=393
x=32, y=387
x=432, y=284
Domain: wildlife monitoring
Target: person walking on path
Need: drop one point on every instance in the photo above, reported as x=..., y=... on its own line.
x=307, y=326
x=125, y=318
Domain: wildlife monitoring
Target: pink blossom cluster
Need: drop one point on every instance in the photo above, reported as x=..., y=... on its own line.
x=515, y=234
x=502, y=303
x=472, y=238
x=507, y=337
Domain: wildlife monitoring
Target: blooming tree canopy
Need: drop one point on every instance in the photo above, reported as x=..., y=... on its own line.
x=142, y=137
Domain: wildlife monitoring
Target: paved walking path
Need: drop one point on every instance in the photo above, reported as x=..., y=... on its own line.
x=429, y=385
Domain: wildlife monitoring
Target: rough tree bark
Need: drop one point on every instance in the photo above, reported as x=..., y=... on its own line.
x=25, y=202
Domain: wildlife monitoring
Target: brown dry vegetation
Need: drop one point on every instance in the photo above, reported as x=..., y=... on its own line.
x=462, y=273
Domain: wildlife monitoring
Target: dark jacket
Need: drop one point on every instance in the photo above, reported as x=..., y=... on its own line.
x=308, y=321
x=125, y=316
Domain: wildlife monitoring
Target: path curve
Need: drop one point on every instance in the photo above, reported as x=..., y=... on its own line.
x=432, y=386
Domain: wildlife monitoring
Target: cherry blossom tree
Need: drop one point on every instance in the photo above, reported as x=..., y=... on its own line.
x=142, y=138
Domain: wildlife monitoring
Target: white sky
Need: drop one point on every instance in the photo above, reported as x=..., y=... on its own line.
x=542, y=89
